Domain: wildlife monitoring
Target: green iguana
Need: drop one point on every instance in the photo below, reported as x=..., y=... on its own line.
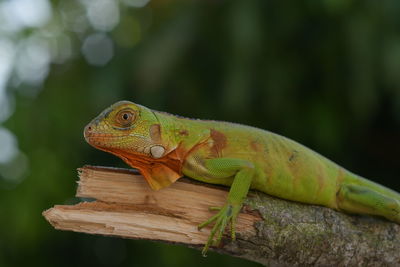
x=165, y=147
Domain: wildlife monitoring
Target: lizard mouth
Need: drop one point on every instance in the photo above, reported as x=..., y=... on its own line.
x=111, y=142
x=96, y=139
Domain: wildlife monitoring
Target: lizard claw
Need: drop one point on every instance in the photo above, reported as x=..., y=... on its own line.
x=214, y=208
x=227, y=214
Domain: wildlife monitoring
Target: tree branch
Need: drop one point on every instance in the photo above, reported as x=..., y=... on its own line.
x=269, y=230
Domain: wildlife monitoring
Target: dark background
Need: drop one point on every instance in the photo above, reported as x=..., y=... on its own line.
x=324, y=73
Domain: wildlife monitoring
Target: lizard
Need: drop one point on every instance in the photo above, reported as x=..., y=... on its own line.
x=165, y=147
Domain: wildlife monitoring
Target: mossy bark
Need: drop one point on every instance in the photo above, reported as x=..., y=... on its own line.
x=294, y=234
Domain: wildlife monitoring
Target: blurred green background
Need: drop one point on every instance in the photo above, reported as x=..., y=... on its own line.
x=325, y=73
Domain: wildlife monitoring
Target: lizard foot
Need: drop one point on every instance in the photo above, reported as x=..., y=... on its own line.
x=226, y=214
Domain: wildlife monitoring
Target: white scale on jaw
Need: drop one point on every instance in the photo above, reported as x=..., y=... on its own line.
x=157, y=151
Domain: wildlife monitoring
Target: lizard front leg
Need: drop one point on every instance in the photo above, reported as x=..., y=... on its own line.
x=242, y=172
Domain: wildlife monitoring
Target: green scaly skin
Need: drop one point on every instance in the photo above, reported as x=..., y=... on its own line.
x=166, y=147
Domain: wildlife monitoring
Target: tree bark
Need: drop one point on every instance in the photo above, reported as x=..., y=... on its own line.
x=270, y=231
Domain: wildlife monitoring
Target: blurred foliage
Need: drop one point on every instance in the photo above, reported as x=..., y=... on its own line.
x=325, y=73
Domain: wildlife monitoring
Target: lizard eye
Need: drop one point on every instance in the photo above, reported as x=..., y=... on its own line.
x=125, y=117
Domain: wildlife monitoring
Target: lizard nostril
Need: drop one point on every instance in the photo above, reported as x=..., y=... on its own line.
x=88, y=131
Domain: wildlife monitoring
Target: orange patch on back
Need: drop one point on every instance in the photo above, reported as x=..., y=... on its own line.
x=219, y=141
x=183, y=132
x=256, y=146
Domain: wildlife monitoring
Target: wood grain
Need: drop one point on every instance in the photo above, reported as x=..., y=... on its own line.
x=125, y=206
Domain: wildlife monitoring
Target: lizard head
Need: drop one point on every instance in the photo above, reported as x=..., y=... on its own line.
x=126, y=128
x=133, y=133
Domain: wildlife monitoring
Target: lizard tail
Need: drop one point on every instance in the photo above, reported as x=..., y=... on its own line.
x=359, y=195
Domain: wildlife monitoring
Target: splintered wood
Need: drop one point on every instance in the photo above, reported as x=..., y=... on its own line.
x=125, y=206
